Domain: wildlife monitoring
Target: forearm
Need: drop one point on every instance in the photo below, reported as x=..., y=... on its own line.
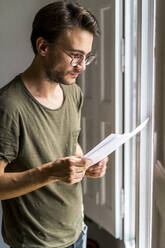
x=69, y=170
x=20, y=183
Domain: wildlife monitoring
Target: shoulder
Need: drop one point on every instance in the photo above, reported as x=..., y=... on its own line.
x=9, y=96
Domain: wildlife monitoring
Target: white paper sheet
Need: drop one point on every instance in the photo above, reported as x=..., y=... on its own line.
x=111, y=143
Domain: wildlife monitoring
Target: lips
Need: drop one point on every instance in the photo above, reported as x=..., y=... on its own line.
x=74, y=74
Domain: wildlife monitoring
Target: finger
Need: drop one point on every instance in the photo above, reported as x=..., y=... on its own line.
x=96, y=174
x=79, y=176
x=74, y=170
x=105, y=160
x=100, y=164
x=80, y=162
x=74, y=179
x=97, y=170
x=78, y=170
x=96, y=166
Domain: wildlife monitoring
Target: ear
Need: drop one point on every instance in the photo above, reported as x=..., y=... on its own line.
x=41, y=46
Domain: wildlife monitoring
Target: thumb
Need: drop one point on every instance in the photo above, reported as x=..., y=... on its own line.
x=88, y=161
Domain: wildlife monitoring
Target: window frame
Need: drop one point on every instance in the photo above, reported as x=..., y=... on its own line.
x=145, y=108
x=139, y=100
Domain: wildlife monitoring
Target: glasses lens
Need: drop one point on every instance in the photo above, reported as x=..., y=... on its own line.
x=77, y=60
x=89, y=59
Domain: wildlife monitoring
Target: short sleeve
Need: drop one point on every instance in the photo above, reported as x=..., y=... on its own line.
x=9, y=135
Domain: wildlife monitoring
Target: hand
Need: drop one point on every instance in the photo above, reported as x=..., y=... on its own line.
x=97, y=170
x=70, y=170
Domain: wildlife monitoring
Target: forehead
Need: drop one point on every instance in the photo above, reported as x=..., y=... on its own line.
x=78, y=39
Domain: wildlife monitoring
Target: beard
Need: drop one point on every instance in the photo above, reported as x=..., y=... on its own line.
x=59, y=76
x=56, y=77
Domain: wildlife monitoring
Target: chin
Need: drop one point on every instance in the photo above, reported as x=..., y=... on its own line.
x=69, y=82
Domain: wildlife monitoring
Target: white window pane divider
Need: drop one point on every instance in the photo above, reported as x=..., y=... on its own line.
x=145, y=108
x=118, y=115
x=130, y=83
x=139, y=75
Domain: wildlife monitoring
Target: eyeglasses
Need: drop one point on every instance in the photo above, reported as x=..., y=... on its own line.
x=78, y=58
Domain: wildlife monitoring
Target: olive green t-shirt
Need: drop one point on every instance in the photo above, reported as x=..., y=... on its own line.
x=31, y=135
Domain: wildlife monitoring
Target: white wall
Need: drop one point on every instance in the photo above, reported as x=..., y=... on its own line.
x=16, y=18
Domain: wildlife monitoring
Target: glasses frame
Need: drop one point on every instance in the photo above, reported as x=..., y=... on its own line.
x=82, y=57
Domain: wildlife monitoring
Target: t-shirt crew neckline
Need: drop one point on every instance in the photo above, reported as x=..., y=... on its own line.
x=27, y=92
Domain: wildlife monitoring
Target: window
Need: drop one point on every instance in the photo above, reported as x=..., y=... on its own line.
x=119, y=95
x=139, y=105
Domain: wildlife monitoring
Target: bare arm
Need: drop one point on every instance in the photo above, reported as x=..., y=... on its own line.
x=68, y=170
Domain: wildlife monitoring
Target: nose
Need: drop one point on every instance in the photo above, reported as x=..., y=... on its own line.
x=81, y=66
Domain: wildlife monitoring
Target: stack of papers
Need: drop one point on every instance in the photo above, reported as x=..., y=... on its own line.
x=111, y=143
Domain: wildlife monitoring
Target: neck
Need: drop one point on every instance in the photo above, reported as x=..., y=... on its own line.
x=36, y=81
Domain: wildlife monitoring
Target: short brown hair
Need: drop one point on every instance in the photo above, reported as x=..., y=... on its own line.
x=54, y=19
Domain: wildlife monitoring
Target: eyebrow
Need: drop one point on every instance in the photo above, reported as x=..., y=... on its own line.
x=80, y=51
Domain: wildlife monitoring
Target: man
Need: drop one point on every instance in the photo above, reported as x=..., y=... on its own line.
x=41, y=163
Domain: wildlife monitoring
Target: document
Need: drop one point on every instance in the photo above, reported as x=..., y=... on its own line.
x=111, y=143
